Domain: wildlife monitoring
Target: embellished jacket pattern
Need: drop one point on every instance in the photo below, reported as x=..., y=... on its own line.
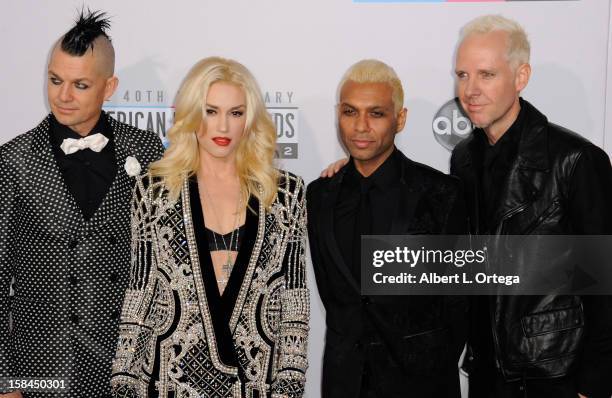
x=167, y=341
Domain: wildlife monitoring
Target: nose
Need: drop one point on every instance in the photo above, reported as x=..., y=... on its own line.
x=471, y=88
x=223, y=123
x=362, y=124
x=65, y=93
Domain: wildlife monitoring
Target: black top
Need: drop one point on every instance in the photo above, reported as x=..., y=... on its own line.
x=87, y=174
x=381, y=190
x=229, y=241
x=496, y=163
x=221, y=306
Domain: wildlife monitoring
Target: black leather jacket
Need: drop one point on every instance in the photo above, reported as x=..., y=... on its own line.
x=550, y=336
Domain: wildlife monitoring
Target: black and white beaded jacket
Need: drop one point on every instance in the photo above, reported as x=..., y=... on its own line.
x=69, y=274
x=168, y=345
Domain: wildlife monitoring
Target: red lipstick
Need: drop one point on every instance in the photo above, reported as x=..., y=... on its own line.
x=222, y=141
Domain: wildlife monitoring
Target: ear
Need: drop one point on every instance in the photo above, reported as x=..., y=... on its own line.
x=401, y=119
x=110, y=87
x=521, y=78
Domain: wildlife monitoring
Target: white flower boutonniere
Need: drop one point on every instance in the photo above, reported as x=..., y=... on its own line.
x=132, y=167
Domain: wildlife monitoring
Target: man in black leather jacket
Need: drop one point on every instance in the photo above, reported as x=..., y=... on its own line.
x=524, y=175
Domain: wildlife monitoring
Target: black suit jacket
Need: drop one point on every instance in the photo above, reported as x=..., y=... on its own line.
x=411, y=343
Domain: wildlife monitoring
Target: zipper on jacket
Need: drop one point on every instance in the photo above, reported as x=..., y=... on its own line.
x=511, y=213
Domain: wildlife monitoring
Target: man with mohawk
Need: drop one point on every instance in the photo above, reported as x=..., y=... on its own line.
x=65, y=227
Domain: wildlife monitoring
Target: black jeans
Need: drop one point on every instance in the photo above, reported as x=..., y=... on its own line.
x=493, y=385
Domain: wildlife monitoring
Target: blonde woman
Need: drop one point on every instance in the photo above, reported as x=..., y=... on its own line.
x=217, y=303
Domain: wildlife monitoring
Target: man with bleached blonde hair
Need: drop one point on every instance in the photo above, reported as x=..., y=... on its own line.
x=524, y=175
x=381, y=346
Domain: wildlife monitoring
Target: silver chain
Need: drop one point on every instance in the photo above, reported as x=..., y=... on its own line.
x=229, y=264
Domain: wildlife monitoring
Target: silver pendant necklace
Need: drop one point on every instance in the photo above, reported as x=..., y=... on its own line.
x=228, y=265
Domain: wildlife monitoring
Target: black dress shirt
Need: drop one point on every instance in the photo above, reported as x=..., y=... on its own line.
x=496, y=162
x=382, y=190
x=87, y=174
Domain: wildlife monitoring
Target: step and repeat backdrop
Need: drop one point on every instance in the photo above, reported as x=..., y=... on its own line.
x=298, y=51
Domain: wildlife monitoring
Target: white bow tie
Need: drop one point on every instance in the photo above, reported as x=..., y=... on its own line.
x=95, y=142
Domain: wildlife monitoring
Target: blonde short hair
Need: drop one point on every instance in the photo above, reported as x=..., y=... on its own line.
x=255, y=153
x=518, y=43
x=375, y=71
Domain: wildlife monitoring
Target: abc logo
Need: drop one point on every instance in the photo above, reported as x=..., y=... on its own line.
x=451, y=125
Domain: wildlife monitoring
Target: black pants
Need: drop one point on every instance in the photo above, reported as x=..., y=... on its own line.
x=494, y=386
x=396, y=384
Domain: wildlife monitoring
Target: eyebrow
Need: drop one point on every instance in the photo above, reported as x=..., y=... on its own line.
x=457, y=71
x=231, y=109
x=369, y=108
x=80, y=79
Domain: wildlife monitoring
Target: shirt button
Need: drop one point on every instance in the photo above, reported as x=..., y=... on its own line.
x=114, y=277
x=75, y=319
x=72, y=244
x=115, y=315
x=87, y=163
x=112, y=240
x=365, y=300
x=73, y=280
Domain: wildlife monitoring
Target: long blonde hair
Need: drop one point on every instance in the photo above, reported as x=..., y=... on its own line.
x=255, y=153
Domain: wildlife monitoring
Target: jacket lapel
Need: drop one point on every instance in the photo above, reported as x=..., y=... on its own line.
x=408, y=198
x=117, y=200
x=326, y=223
x=525, y=179
x=198, y=280
x=49, y=186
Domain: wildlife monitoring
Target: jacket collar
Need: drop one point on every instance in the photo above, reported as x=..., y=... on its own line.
x=533, y=143
x=114, y=202
x=410, y=186
x=41, y=138
x=405, y=178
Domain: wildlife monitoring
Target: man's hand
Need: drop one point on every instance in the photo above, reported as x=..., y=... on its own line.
x=581, y=396
x=14, y=394
x=334, y=167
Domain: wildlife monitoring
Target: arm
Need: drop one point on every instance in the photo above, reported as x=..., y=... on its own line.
x=151, y=149
x=333, y=168
x=314, y=244
x=8, y=217
x=295, y=304
x=588, y=201
x=135, y=343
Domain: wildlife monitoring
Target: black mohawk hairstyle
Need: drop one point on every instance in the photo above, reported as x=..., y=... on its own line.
x=89, y=26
